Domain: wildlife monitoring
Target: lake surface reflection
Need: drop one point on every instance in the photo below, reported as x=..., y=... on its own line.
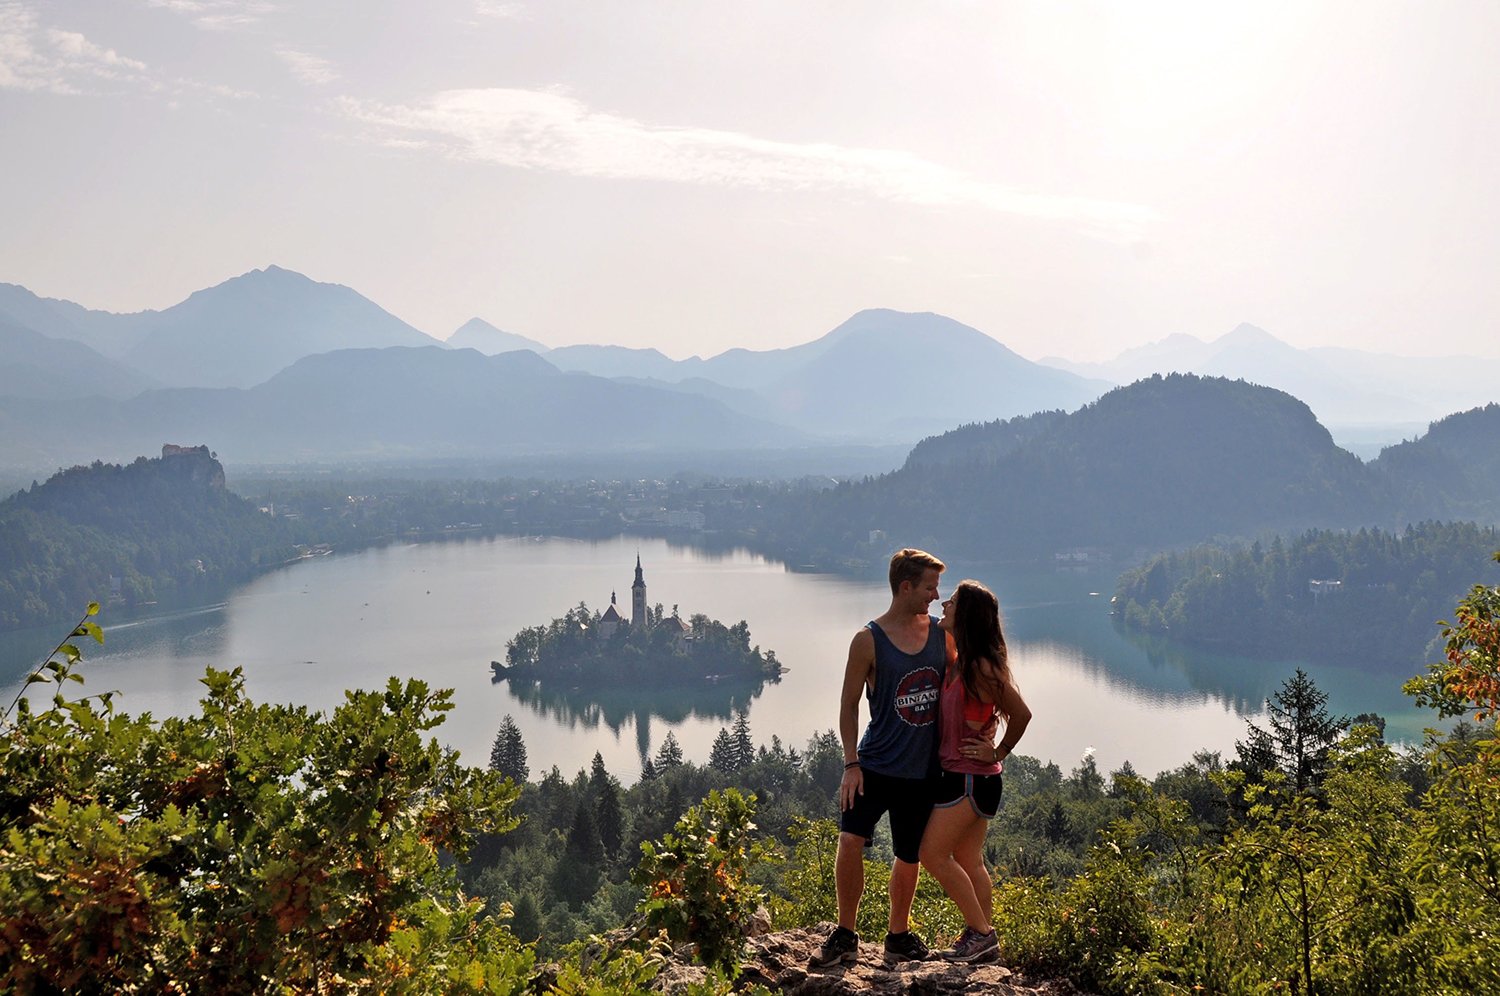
x=442, y=611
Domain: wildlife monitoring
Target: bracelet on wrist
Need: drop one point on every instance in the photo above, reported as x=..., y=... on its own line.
x=851, y=764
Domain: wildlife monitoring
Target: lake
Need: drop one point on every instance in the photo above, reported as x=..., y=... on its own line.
x=441, y=611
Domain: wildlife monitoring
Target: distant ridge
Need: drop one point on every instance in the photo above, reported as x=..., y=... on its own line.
x=479, y=334
x=881, y=376
x=234, y=334
x=241, y=332
x=399, y=403
x=1352, y=391
x=1163, y=461
x=39, y=367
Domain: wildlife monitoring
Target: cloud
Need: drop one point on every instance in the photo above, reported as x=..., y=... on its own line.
x=218, y=15
x=47, y=59
x=502, y=9
x=552, y=132
x=55, y=61
x=312, y=69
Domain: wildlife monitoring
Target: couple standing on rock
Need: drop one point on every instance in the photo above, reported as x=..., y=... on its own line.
x=939, y=691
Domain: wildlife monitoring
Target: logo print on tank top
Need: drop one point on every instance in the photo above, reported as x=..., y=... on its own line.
x=917, y=697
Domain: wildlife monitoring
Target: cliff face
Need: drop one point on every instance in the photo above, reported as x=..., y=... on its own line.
x=194, y=464
x=779, y=962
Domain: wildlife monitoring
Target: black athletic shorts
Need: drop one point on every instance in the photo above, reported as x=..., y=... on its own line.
x=982, y=791
x=908, y=800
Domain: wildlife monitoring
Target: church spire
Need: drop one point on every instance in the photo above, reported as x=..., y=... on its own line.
x=638, y=596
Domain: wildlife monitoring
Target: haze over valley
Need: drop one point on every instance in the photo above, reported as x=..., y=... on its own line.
x=279, y=368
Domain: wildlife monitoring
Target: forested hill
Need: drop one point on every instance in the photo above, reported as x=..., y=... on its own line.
x=1452, y=471
x=161, y=527
x=1163, y=461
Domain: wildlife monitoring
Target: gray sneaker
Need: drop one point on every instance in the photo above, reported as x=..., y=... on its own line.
x=842, y=946
x=905, y=946
x=974, y=948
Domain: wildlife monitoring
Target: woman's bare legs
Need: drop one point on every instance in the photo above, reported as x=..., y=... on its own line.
x=949, y=829
x=969, y=853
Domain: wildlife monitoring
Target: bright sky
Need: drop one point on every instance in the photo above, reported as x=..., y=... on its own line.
x=1072, y=178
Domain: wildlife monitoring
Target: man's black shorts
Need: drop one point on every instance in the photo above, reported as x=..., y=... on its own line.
x=908, y=800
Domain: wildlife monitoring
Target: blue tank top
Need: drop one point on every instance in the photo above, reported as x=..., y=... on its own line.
x=901, y=739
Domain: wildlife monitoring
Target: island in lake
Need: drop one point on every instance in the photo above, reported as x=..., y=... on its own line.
x=605, y=648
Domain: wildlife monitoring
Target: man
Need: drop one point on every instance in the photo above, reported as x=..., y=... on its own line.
x=897, y=662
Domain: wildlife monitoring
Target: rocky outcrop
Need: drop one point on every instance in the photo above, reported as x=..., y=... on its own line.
x=779, y=962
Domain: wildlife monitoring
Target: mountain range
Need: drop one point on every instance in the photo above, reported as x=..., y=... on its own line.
x=253, y=359
x=1349, y=389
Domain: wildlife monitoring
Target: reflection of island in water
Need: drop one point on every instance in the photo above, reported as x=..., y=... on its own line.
x=587, y=667
x=615, y=705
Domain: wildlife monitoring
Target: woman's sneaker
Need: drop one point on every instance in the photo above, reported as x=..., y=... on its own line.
x=905, y=946
x=974, y=947
x=842, y=946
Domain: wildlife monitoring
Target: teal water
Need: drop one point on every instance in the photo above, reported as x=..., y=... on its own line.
x=442, y=611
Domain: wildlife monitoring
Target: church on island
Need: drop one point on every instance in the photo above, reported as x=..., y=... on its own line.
x=640, y=616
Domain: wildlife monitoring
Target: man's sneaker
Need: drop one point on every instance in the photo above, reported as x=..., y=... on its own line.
x=974, y=947
x=905, y=946
x=842, y=946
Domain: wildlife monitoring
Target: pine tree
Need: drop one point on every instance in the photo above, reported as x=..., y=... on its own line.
x=724, y=755
x=744, y=747
x=1300, y=736
x=610, y=819
x=669, y=754
x=576, y=876
x=508, y=756
x=526, y=919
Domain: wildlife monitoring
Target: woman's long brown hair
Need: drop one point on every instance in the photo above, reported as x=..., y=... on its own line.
x=977, y=634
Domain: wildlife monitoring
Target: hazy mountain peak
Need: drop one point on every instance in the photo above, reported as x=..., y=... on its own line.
x=1245, y=334
x=479, y=334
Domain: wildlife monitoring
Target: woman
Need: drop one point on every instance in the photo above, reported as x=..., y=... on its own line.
x=977, y=684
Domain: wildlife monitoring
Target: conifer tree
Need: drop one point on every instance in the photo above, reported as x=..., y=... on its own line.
x=576, y=876
x=611, y=821
x=724, y=755
x=508, y=755
x=1301, y=734
x=669, y=754
x=744, y=747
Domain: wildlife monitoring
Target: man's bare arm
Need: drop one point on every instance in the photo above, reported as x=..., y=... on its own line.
x=857, y=672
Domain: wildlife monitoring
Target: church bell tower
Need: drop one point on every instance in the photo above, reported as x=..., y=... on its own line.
x=638, y=597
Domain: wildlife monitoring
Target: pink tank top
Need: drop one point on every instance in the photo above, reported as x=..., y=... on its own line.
x=953, y=705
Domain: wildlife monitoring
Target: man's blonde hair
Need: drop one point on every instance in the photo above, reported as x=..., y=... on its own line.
x=910, y=564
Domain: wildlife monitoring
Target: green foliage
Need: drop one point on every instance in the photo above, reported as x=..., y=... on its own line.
x=1389, y=588
x=697, y=882
x=1468, y=677
x=249, y=848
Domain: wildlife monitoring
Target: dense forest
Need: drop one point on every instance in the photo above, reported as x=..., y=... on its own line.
x=151, y=530
x=255, y=848
x=579, y=647
x=1365, y=597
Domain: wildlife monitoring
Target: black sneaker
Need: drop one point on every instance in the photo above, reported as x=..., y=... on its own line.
x=905, y=946
x=842, y=946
